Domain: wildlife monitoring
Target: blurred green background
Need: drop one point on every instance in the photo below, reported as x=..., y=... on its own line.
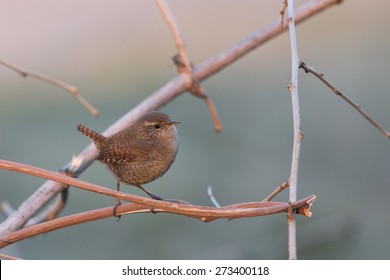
x=117, y=53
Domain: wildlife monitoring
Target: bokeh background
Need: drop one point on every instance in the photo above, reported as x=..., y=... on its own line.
x=117, y=53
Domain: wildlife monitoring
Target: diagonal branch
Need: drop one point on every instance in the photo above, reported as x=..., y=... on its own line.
x=156, y=100
x=336, y=91
x=276, y=191
x=58, y=83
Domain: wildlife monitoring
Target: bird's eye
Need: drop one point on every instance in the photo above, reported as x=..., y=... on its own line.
x=157, y=126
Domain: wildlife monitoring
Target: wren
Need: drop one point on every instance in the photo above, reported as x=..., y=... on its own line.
x=140, y=153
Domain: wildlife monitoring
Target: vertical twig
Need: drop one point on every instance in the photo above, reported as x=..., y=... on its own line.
x=179, y=41
x=293, y=89
x=282, y=11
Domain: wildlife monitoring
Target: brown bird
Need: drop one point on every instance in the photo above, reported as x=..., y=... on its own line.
x=140, y=153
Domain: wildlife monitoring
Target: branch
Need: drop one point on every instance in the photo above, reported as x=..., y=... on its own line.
x=336, y=91
x=156, y=100
x=281, y=12
x=170, y=19
x=293, y=89
x=205, y=213
x=49, y=214
x=276, y=191
x=139, y=205
x=197, y=90
x=131, y=208
x=69, y=88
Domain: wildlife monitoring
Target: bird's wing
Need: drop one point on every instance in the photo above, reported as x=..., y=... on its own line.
x=124, y=152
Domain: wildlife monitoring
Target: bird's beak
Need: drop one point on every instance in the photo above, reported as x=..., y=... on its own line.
x=170, y=122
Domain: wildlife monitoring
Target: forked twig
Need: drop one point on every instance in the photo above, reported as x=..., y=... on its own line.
x=58, y=83
x=337, y=92
x=184, y=66
x=197, y=90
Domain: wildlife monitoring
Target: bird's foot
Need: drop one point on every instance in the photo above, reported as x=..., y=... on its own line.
x=117, y=204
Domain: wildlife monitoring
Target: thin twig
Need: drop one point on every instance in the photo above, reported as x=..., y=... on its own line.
x=281, y=12
x=293, y=89
x=58, y=83
x=214, y=114
x=166, y=93
x=276, y=191
x=337, y=92
x=170, y=19
x=211, y=197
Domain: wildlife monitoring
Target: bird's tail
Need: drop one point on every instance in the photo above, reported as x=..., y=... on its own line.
x=97, y=138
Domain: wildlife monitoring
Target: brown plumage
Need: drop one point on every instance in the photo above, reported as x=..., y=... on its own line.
x=140, y=153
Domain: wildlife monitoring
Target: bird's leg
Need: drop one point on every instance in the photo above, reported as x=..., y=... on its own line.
x=118, y=202
x=152, y=195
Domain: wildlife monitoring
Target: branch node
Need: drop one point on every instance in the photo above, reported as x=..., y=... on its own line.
x=290, y=88
x=194, y=87
x=290, y=213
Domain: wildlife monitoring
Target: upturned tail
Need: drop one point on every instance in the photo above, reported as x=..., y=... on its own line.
x=97, y=138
